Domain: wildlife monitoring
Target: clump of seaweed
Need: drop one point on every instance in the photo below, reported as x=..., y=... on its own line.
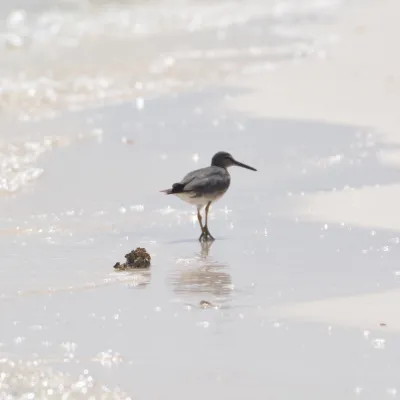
x=136, y=259
x=205, y=304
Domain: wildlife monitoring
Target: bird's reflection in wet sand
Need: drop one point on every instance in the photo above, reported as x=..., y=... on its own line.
x=205, y=249
x=200, y=275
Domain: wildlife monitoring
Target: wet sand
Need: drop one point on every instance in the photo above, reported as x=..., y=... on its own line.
x=261, y=260
x=350, y=88
x=302, y=296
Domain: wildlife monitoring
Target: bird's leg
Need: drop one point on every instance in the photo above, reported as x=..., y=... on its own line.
x=200, y=223
x=206, y=231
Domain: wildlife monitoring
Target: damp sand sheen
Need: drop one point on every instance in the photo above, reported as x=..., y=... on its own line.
x=103, y=104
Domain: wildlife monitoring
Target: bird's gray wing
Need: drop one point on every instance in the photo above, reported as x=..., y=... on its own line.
x=206, y=181
x=191, y=175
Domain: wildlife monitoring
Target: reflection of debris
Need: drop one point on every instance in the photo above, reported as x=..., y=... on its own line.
x=138, y=258
x=205, y=304
x=140, y=278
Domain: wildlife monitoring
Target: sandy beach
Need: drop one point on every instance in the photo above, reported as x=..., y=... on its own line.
x=356, y=85
x=303, y=278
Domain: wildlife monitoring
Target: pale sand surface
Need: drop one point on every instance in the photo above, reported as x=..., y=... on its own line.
x=303, y=280
x=357, y=84
x=371, y=312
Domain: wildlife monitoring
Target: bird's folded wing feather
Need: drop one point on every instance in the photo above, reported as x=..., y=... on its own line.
x=204, y=181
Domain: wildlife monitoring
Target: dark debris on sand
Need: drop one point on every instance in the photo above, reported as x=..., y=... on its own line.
x=136, y=259
x=205, y=304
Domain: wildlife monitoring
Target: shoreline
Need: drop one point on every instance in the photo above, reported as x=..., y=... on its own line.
x=355, y=88
x=347, y=87
x=358, y=84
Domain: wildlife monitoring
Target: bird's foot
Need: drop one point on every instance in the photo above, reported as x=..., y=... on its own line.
x=206, y=236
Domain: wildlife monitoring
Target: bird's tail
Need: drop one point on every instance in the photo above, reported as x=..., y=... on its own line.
x=176, y=188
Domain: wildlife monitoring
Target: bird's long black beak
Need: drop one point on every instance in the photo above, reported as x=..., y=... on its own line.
x=239, y=164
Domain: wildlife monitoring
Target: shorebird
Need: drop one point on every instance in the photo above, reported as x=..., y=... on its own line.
x=204, y=186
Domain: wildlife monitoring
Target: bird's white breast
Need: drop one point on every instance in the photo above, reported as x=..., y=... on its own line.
x=199, y=201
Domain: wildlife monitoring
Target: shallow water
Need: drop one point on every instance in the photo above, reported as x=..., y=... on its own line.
x=72, y=55
x=64, y=306
x=136, y=48
x=81, y=189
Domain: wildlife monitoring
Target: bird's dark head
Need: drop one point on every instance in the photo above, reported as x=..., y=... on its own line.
x=225, y=160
